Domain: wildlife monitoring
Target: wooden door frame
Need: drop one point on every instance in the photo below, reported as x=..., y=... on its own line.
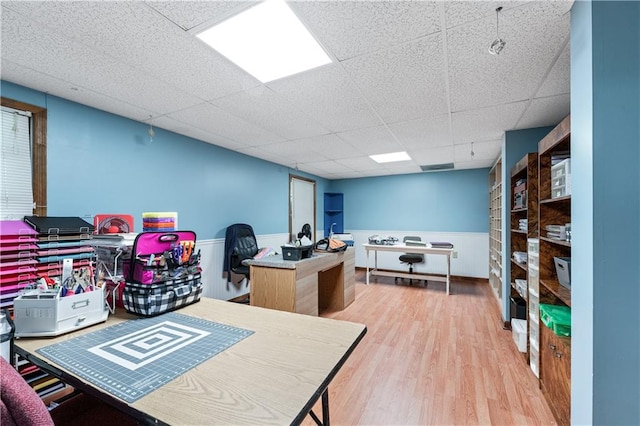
x=291, y=178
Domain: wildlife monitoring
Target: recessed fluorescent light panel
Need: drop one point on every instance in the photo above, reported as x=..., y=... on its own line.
x=391, y=157
x=268, y=41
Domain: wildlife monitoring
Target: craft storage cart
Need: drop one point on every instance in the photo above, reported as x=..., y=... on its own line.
x=111, y=252
x=65, y=260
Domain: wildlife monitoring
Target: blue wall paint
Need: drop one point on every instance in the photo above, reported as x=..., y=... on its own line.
x=103, y=163
x=582, y=215
x=23, y=94
x=453, y=201
x=616, y=212
x=605, y=148
x=515, y=145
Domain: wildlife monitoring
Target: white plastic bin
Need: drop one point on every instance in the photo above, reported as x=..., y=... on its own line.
x=519, y=333
x=534, y=305
x=534, y=360
x=534, y=336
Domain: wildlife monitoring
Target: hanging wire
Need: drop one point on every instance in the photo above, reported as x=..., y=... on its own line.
x=498, y=44
x=151, y=132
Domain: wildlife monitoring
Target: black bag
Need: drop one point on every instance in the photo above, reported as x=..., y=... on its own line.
x=331, y=245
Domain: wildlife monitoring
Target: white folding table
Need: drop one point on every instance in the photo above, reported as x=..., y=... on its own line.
x=426, y=249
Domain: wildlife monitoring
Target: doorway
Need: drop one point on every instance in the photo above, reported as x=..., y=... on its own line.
x=302, y=205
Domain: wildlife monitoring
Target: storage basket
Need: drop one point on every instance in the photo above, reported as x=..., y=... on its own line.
x=557, y=318
x=296, y=253
x=156, y=299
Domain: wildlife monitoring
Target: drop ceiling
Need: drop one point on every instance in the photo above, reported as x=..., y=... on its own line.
x=411, y=76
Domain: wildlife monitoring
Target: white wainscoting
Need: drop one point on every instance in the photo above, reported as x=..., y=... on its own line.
x=214, y=281
x=472, y=253
x=472, y=258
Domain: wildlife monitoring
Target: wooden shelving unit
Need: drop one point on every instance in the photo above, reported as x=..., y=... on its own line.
x=495, y=228
x=333, y=213
x=555, y=351
x=524, y=221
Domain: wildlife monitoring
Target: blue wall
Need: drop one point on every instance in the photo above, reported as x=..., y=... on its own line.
x=515, y=145
x=605, y=144
x=103, y=163
x=448, y=201
x=582, y=219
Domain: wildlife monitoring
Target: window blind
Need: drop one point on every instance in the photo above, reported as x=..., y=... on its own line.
x=16, y=190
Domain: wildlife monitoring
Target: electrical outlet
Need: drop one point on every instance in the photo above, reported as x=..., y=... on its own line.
x=454, y=254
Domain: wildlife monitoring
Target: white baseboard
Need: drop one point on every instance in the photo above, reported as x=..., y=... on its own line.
x=471, y=252
x=215, y=284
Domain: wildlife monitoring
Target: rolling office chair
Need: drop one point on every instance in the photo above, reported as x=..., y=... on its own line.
x=239, y=244
x=411, y=258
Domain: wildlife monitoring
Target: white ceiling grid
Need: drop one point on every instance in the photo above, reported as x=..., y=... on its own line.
x=397, y=82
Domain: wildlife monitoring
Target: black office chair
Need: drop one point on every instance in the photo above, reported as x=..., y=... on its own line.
x=239, y=244
x=411, y=258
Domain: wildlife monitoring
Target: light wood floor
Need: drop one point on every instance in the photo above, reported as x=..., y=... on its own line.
x=432, y=359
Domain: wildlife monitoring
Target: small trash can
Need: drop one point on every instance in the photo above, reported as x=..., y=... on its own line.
x=7, y=331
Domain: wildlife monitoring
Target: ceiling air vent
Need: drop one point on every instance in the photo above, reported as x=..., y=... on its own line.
x=437, y=167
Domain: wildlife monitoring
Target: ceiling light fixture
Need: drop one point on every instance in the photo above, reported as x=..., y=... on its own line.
x=268, y=41
x=390, y=157
x=497, y=45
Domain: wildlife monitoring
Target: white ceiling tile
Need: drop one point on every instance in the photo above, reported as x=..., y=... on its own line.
x=430, y=156
x=371, y=140
x=90, y=69
x=328, y=95
x=488, y=150
x=327, y=170
x=36, y=80
x=462, y=12
x=137, y=59
x=359, y=163
x=190, y=14
x=145, y=40
x=346, y=175
x=293, y=152
x=404, y=82
x=546, y=112
x=330, y=146
x=212, y=119
x=476, y=164
x=179, y=127
x=351, y=28
x=262, y=107
x=558, y=82
x=532, y=36
x=423, y=133
x=258, y=152
x=487, y=123
x=402, y=167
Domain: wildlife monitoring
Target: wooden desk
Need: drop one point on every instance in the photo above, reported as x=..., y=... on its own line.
x=324, y=281
x=274, y=376
x=407, y=249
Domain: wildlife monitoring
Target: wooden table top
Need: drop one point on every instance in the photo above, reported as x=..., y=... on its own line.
x=272, y=377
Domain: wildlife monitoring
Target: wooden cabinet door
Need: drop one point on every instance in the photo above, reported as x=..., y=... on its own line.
x=555, y=374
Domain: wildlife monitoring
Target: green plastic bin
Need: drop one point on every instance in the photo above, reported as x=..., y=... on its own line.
x=557, y=318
